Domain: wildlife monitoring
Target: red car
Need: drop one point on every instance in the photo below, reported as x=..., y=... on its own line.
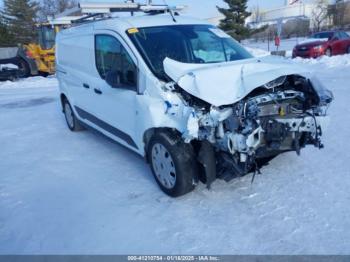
x=324, y=43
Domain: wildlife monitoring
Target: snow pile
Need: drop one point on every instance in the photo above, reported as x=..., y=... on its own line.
x=32, y=82
x=8, y=66
x=325, y=61
x=286, y=45
x=80, y=193
x=257, y=52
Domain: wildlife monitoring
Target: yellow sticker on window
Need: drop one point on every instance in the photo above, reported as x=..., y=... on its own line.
x=133, y=31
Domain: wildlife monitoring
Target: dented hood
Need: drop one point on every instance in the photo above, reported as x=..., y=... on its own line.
x=227, y=83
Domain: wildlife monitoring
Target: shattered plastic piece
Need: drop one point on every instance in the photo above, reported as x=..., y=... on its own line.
x=192, y=128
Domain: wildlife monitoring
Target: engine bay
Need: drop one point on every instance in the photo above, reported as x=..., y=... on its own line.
x=284, y=115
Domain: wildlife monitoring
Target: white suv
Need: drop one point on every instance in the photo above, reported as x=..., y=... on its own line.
x=187, y=96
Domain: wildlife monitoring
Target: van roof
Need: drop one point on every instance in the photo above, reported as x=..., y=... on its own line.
x=139, y=21
x=159, y=20
x=122, y=24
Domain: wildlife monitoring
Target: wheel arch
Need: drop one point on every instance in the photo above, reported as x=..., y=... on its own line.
x=63, y=98
x=149, y=133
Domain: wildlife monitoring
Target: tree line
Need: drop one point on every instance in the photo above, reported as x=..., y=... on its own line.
x=19, y=19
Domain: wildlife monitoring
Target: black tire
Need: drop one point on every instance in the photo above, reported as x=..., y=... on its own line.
x=328, y=52
x=24, y=69
x=43, y=74
x=182, y=158
x=348, y=49
x=71, y=120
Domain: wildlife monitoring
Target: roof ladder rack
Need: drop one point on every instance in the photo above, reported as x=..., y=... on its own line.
x=92, y=11
x=128, y=6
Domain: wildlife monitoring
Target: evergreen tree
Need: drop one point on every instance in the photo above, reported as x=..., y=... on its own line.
x=20, y=18
x=234, y=21
x=5, y=36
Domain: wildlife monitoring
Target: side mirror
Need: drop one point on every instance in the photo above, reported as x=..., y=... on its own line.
x=130, y=77
x=335, y=38
x=113, y=79
x=116, y=80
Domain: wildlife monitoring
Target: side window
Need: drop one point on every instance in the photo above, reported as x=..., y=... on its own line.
x=344, y=35
x=112, y=60
x=337, y=36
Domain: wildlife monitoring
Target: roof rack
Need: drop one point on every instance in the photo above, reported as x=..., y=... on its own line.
x=128, y=6
x=90, y=11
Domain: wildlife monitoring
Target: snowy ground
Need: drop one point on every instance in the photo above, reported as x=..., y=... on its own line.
x=79, y=193
x=286, y=45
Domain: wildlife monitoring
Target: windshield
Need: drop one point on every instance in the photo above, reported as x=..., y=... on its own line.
x=197, y=44
x=47, y=37
x=324, y=35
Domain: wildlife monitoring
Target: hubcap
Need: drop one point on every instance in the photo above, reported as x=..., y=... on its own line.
x=163, y=166
x=69, y=115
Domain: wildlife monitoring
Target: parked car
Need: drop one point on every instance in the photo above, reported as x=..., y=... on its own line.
x=187, y=97
x=325, y=43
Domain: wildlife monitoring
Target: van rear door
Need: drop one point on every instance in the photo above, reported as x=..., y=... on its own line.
x=74, y=59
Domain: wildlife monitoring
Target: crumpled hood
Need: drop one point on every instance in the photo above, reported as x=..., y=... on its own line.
x=227, y=83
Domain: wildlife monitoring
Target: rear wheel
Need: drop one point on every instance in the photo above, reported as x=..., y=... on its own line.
x=329, y=52
x=72, y=122
x=173, y=164
x=23, y=67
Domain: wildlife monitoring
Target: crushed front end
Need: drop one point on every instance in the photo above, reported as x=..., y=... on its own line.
x=283, y=115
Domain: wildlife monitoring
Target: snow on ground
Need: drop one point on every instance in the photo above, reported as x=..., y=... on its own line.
x=286, y=45
x=327, y=62
x=257, y=52
x=80, y=193
x=8, y=66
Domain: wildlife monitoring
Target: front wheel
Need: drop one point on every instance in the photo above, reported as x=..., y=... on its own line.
x=173, y=164
x=329, y=52
x=72, y=121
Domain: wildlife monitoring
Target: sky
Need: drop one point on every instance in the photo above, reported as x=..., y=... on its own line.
x=207, y=8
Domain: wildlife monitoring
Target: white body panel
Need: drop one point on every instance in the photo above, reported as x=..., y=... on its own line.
x=125, y=115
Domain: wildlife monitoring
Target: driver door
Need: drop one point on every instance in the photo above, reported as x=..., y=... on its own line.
x=114, y=106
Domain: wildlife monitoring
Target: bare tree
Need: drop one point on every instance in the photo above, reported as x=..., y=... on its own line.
x=53, y=7
x=63, y=5
x=319, y=14
x=257, y=15
x=48, y=7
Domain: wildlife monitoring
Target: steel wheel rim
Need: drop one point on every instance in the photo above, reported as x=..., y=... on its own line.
x=69, y=115
x=163, y=166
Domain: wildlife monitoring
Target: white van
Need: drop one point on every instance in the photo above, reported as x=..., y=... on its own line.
x=187, y=96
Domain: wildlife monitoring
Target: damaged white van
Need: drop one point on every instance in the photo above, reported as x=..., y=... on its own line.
x=188, y=97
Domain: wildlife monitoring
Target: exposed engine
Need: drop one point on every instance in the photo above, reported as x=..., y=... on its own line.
x=284, y=115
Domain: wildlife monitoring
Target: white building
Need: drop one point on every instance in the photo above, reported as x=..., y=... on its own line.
x=292, y=9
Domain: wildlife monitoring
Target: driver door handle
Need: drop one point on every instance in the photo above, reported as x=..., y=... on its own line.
x=98, y=91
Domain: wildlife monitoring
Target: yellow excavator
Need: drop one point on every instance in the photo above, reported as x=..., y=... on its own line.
x=43, y=52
